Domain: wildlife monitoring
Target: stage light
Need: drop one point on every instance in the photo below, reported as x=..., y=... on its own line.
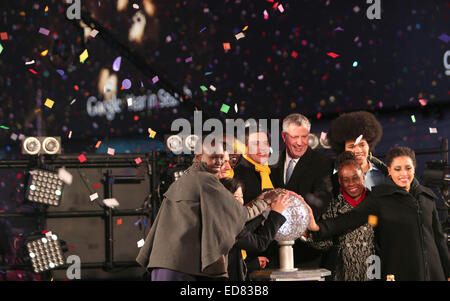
x=31, y=146
x=191, y=141
x=178, y=174
x=175, y=144
x=45, y=252
x=51, y=145
x=41, y=145
x=313, y=141
x=325, y=143
x=44, y=187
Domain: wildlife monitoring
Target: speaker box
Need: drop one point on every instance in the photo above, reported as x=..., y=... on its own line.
x=85, y=236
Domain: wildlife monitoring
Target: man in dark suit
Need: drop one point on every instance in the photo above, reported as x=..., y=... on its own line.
x=306, y=172
x=253, y=169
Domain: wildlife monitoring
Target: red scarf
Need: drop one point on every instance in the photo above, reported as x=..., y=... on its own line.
x=350, y=200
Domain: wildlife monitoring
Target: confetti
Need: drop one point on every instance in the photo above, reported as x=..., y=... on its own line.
x=44, y=31
x=30, y=62
x=94, y=196
x=73, y=101
x=226, y=46
x=373, y=220
x=138, y=161
x=3, y=35
x=126, y=84
x=239, y=36
x=14, y=136
x=266, y=15
x=93, y=33
x=333, y=55
x=433, y=130
x=4, y=127
x=281, y=8
x=82, y=158
x=245, y=28
x=188, y=60
x=49, y=103
x=98, y=144
x=70, y=134
x=203, y=29
x=44, y=53
x=413, y=118
x=355, y=64
x=204, y=89
x=423, y=102
x=212, y=88
x=111, y=203
x=65, y=176
x=225, y=108
x=444, y=38
x=111, y=151
x=358, y=140
x=119, y=222
x=152, y=133
x=116, y=64
x=140, y=243
x=1, y=48
x=155, y=79
x=96, y=186
x=84, y=56
x=323, y=136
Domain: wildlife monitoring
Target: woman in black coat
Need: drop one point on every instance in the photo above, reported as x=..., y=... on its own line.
x=411, y=241
x=254, y=237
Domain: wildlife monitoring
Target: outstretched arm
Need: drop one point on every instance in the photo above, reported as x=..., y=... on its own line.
x=348, y=221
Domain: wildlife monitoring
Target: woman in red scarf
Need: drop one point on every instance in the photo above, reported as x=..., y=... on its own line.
x=353, y=248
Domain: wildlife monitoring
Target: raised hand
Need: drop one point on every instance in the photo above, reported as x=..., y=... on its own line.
x=312, y=222
x=280, y=204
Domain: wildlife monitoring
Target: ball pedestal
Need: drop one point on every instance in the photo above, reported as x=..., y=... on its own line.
x=286, y=256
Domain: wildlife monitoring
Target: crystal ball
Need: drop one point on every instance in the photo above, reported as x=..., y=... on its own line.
x=297, y=220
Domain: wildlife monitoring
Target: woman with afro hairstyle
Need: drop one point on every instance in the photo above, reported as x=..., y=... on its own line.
x=359, y=132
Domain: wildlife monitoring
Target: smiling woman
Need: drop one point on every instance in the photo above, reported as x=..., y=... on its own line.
x=412, y=245
x=401, y=166
x=353, y=247
x=359, y=132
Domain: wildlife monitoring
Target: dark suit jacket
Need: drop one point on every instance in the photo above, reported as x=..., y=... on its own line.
x=252, y=240
x=413, y=246
x=311, y=179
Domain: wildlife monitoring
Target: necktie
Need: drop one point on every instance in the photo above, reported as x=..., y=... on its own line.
x=289, y=170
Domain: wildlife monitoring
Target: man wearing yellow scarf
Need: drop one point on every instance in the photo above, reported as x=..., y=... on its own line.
x=253, y=169
x=254, y=172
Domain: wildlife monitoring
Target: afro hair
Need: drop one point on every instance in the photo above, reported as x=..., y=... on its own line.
x=350, y=126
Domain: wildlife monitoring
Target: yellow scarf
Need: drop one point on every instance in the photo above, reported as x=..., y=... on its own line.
x=264, y=171
x=229, y=174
